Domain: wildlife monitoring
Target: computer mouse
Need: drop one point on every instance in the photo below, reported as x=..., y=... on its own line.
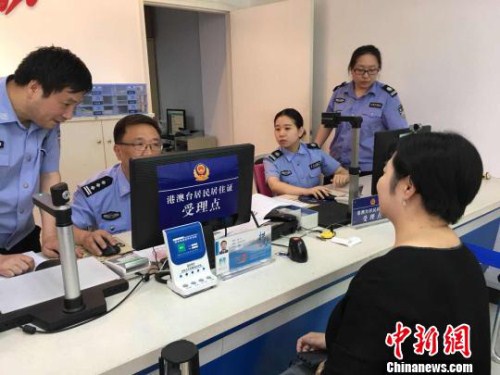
x=311, y=199
x=297, y=250
x=110, y=249
x=48, y=263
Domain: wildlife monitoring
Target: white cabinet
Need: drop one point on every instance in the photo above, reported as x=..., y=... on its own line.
x=86, y=148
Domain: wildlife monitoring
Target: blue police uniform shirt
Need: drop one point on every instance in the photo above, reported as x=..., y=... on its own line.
x=302, y=168
x=103, y=202
x=25, y=154
x=380, y=109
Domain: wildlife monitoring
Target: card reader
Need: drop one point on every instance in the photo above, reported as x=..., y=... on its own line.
x=188, y=261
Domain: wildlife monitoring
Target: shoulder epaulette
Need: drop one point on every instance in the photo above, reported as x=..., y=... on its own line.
x=275, y=155
x=97, y=185
x=313, y=145
x=339, y=86
x=391, y=91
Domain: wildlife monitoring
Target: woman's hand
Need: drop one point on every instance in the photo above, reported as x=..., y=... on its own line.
x=311, y=341
x=340, y=180
x=318, y=192
x=341, y=177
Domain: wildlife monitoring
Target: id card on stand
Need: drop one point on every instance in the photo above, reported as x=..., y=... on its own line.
x=243, y=251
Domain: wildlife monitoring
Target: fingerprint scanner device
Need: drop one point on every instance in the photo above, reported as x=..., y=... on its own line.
x=188, y=260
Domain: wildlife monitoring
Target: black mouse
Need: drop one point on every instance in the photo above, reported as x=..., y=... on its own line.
x=110, y=249
x=311, y=199
x=48, y=263
x=297, y=250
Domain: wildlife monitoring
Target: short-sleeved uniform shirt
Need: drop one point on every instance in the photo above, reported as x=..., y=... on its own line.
x=380, y=109
x=25, y=154
x=103, y=202
x=302, y=168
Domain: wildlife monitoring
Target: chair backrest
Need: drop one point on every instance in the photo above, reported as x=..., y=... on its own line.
x=259, y=176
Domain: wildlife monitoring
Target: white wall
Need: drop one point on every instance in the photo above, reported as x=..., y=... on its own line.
x=442, y=57
x=106, y=35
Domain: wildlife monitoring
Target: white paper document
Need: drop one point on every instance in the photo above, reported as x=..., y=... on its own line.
x=40, y=286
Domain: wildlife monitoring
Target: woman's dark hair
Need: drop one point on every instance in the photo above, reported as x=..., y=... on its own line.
x=131, y=120
x=445, y=168
x=55, y=69
x=293, y=114
x=364, y=50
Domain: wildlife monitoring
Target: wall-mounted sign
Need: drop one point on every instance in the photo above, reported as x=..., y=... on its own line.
x=7, y=6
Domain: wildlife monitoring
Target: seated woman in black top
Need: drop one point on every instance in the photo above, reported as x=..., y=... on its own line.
x=424, y=302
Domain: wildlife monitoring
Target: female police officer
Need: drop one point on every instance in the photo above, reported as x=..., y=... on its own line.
x=364, y=96
x=295, y=168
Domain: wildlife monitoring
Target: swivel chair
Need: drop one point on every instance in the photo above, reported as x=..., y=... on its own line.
x=260, y=177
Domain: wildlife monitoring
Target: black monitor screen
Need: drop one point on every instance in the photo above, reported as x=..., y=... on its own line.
x=176, y=120
x=212, y=186
x=385, y=144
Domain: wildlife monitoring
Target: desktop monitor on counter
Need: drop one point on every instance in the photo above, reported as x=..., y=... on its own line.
x=212, y=186
x=385, y=144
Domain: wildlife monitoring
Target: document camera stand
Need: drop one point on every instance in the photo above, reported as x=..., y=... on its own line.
x=76, y=306
x=332, y=120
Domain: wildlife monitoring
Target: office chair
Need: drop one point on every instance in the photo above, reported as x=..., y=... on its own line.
x=260, y=177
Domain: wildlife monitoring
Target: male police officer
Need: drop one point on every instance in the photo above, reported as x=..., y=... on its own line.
x=101, y=205
x=43, y=92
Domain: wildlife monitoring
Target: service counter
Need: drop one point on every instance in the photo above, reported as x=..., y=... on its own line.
x=246, y=325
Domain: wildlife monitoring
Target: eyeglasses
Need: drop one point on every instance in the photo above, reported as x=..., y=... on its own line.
x=141, y=147
x=361, y=72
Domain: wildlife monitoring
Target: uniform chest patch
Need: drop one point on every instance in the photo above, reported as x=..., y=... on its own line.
x=375, y=105
x=315, y=165
x=111, y=215
x=339, y=100
x=286, y=172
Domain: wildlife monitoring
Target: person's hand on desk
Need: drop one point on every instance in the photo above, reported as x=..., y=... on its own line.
x=93, y=241
x=311, y=341
x=319, y=192
x=340, y=178
x=15, y=264
x=50, y=246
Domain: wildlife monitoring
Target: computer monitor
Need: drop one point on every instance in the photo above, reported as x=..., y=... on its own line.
x=176, y=120
x=385, y=144
x=212, y=186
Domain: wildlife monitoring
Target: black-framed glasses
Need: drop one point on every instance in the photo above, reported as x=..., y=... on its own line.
x=141, y=146
x=362, y=72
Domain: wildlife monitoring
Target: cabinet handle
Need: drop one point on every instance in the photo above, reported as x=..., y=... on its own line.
x=109, y=141
x=99, y=141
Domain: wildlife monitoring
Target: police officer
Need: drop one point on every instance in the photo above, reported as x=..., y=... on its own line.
x=364, y=96
x=101, y=205
x=43, y=92
x=296, y=168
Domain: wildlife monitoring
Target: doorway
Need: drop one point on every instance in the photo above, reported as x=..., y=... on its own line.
x=188, y=64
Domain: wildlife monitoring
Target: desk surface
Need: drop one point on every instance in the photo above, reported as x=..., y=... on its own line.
x=131, y=337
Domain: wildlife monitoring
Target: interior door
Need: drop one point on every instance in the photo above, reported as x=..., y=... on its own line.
x=271, y=52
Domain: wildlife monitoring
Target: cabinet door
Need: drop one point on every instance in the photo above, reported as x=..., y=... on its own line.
x=271, y=52
x=107, y=135
x=82, y=151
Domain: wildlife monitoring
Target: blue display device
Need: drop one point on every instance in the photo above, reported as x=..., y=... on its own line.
x=188, y=261
x=186, y=243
